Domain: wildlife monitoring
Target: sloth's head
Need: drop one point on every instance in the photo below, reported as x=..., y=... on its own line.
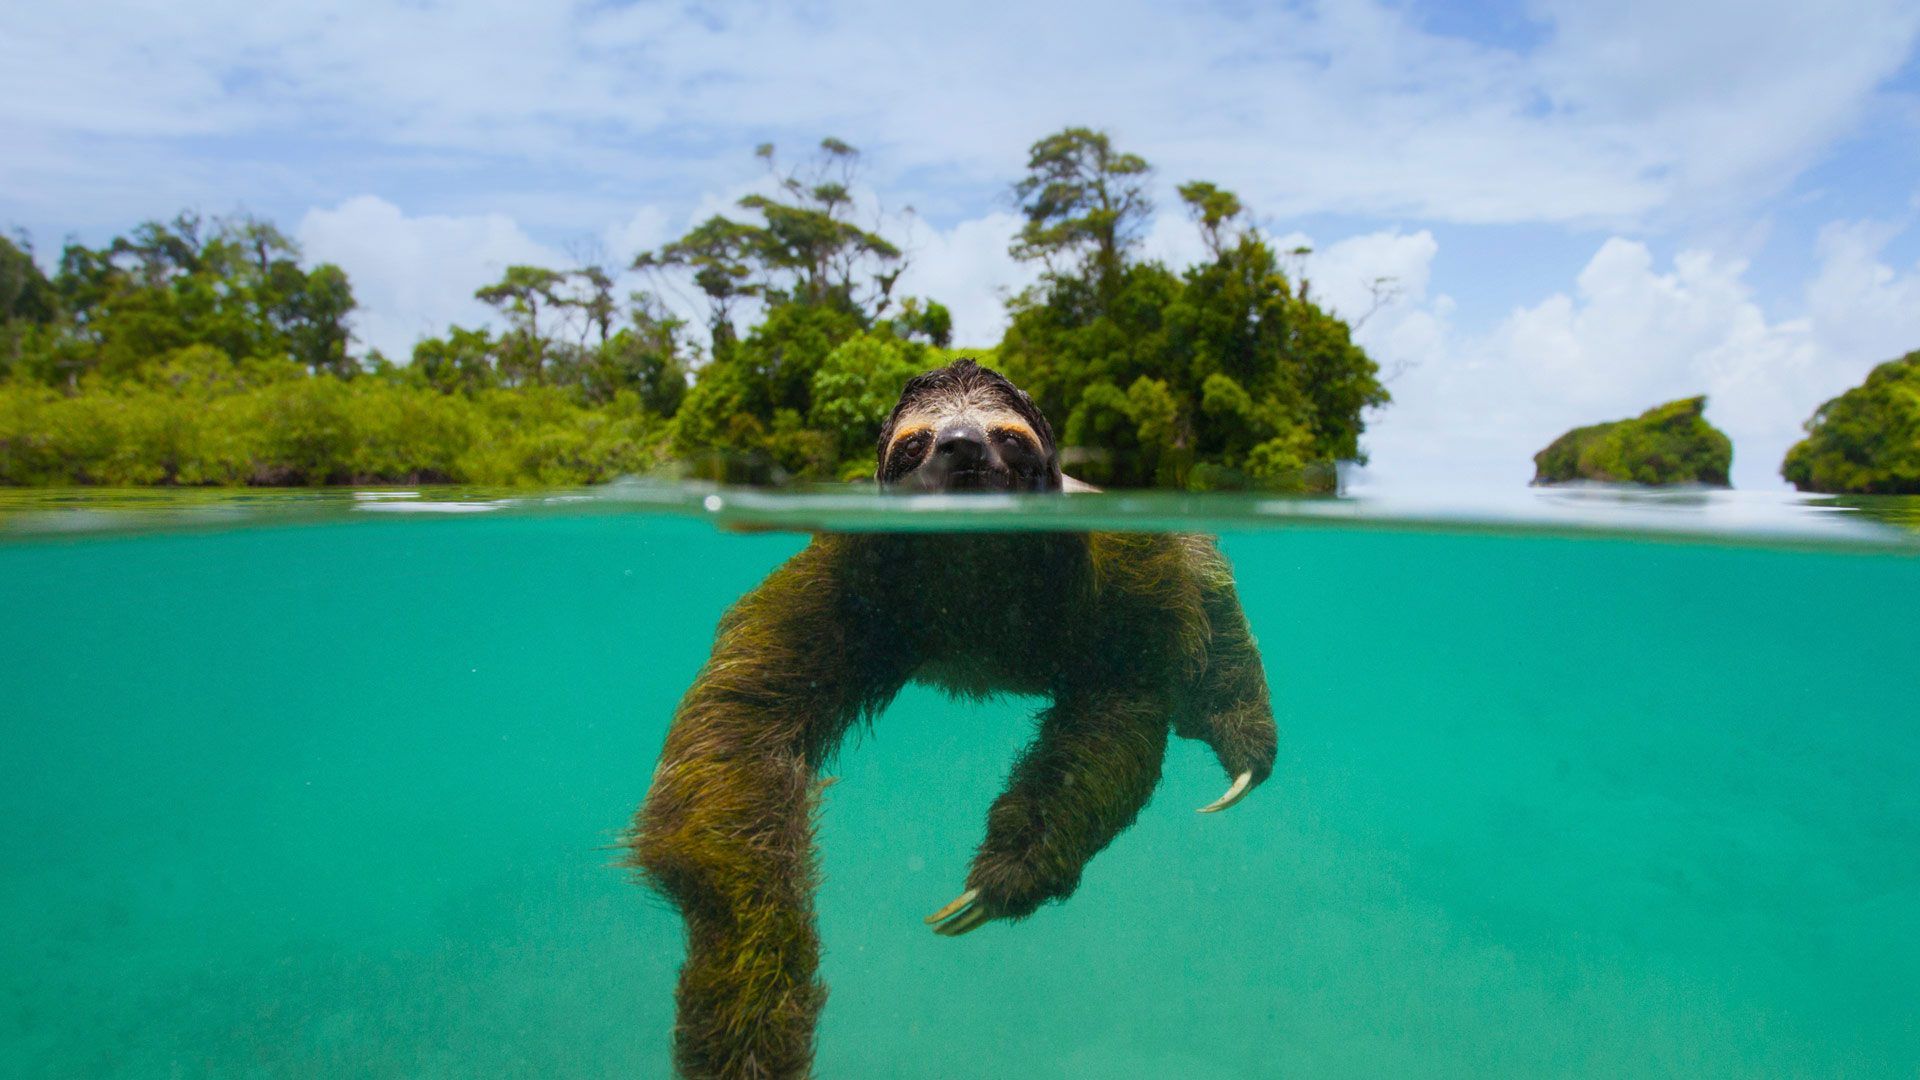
x=966, y=428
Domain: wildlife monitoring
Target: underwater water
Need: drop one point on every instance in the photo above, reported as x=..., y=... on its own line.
x=324, y=790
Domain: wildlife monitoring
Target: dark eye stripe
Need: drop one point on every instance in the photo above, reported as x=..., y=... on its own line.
x=905, y=453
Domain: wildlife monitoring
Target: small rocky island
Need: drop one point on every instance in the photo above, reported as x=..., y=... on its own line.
x=1667, y=444
x=1867, y=440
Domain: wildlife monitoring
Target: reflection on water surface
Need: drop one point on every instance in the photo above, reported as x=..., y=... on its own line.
x=1740, y=517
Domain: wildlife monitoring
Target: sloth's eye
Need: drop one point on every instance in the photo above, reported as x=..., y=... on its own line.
x=1008, y=437
x=914, y=443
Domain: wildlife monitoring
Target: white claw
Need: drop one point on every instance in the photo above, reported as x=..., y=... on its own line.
x=959, y=902
x=966, y=922
x=1234, y=794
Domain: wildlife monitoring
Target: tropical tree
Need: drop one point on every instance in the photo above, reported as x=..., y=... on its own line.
x=804, y=248
x=1221, y=376
x=519, y=296
x=717, y=254
x=1086, y=205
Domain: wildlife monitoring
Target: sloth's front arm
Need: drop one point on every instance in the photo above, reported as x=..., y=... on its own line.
x=1096, y=759
x=1084, y=778
x=1229, y=708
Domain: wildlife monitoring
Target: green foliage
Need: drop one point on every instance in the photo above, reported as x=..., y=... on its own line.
x=796, y=398
x=1667, y=444
x=197, y=418
x=28, y=302
x=236, y=286
x=1215, y=210
x=1867, y=440
x=1221, y=377
x=519, y=296
x=644, y=358
x=927, y=320
x=461, y=362
x=195, y=352
x=854, y=390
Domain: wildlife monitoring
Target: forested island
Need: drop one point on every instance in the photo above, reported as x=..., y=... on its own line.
x=1867, y=440
x=205, y=352
x=1667, y=444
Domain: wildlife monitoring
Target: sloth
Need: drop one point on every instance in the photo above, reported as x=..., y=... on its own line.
x=1128, y=637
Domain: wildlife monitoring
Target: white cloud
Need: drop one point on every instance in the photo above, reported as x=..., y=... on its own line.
x=1173, y=238
x=413, y=276
x=1378, y=282
x=1723, y=99
x=1381, y=274
x=645, y=230
x=968, y=269
x=1351, y=107
x=1863, y=306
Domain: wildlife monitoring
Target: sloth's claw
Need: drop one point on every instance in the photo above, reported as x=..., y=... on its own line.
x=970, y=919
x=962, y=915
x=1234, y=794
x=959, y=902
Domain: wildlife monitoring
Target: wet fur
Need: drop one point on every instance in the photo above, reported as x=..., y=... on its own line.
x=1129, y=636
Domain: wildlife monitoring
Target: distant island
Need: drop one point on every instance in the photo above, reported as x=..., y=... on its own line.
x=1667, y=444
x=1867, y=440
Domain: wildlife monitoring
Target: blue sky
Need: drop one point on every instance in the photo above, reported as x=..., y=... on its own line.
x=1587, y=208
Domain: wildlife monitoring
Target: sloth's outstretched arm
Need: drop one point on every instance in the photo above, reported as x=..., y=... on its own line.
x=1085, y=777
x=726, y=832
x=1230, y=710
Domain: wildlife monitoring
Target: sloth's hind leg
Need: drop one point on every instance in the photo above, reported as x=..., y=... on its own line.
x=1085, y=777
x=729, y=839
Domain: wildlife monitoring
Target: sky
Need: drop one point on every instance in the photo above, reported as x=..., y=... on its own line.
x=1584, y=209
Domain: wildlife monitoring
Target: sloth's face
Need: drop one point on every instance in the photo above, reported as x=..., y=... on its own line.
x=966, y=428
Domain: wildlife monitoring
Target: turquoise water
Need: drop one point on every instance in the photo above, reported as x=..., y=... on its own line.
x=334, y=797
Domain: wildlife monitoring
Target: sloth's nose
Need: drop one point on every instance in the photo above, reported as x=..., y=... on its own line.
x=961, y=446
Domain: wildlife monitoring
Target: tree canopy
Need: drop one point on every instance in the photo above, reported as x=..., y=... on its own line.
x=1220, y=376
x=1084, y=202
x=1867, y=440
x=235, y=284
